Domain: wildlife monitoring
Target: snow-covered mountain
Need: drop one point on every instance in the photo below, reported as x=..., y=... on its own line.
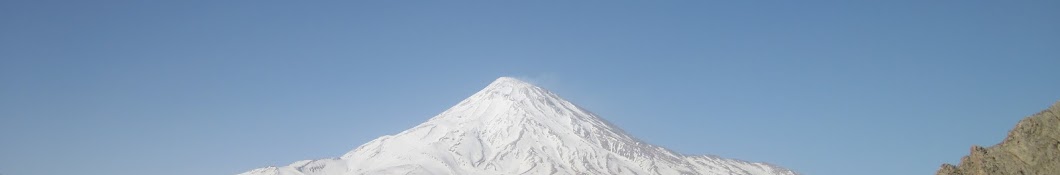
x=513, y=127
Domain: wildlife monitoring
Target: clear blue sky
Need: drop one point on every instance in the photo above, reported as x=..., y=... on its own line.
x=221, y=87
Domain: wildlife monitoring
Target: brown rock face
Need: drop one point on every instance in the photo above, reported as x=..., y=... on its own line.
x=1032, y=148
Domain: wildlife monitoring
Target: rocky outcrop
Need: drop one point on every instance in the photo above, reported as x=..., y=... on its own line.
x=1032, y=148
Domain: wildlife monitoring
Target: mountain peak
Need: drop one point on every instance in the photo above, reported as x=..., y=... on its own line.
x=514, y=127
x=509, y=85
x=507, y=97
x=510, y=80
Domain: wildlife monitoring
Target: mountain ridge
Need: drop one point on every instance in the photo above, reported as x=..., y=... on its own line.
x=1032, y=147
x=514, y=127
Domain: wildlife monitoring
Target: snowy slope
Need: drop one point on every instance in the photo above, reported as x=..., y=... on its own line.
x=513, y=127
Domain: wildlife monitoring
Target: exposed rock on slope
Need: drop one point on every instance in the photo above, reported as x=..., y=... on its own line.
x=1032, y=148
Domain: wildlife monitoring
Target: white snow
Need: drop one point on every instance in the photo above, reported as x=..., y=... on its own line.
x=513, y=127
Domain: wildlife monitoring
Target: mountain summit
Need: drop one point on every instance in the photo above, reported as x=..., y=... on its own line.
x=514, y=127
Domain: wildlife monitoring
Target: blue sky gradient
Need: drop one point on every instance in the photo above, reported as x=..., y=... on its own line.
x=221, y=87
